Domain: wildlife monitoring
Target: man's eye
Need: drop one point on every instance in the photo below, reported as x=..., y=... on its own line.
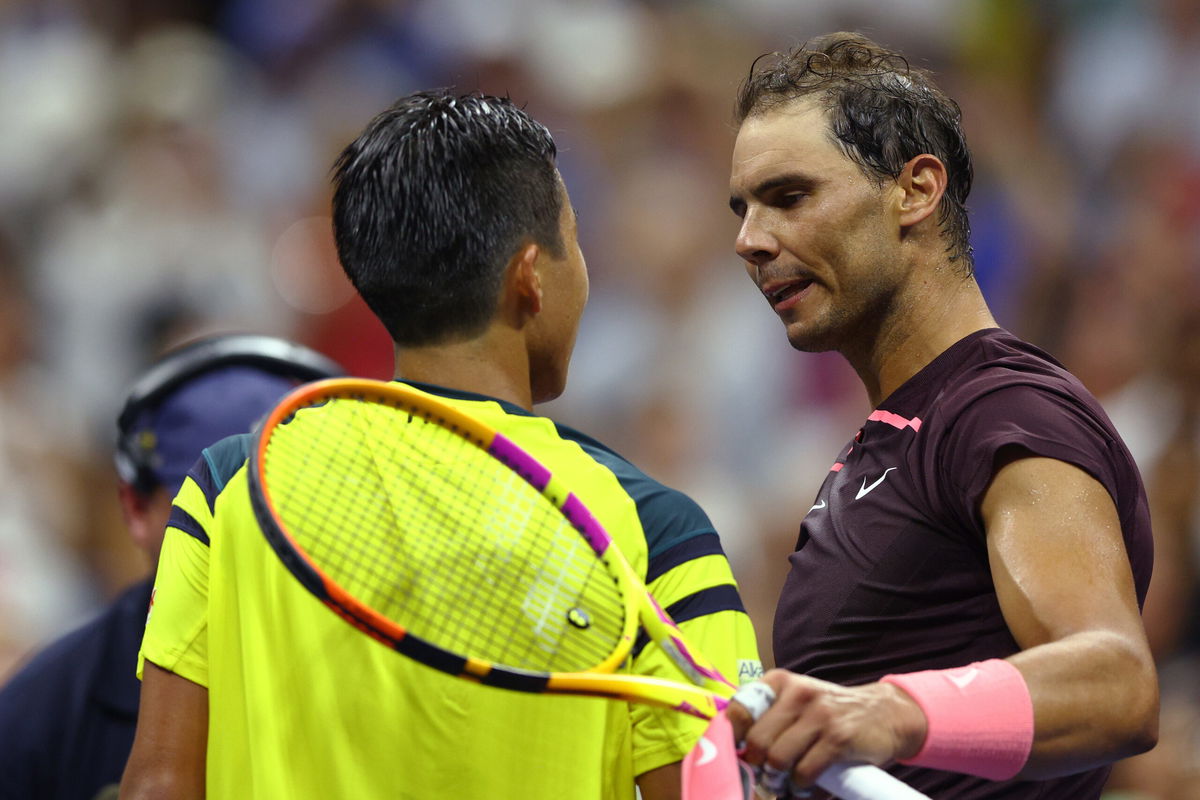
x=790, y=199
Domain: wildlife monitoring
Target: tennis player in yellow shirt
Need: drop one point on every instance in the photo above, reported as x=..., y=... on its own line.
x=453, y=223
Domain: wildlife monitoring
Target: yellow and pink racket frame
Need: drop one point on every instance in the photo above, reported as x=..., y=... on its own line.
x=709, y=691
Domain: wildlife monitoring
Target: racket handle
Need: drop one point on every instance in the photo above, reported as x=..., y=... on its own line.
x=865, y=782
x=846, y=781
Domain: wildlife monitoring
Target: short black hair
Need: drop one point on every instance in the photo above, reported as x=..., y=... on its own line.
x=431, y=201
x=882, y=112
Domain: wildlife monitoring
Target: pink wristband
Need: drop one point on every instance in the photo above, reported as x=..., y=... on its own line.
x=980, y=718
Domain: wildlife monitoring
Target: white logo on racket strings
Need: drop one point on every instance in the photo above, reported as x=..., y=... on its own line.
x=963, y=680
x=549, y=593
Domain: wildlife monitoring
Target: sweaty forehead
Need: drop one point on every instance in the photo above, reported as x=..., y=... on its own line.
x=789, y=138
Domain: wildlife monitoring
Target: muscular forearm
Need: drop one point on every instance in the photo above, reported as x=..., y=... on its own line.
x=1095, y=699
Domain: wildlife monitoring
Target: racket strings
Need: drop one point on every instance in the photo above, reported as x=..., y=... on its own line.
x=434, y=534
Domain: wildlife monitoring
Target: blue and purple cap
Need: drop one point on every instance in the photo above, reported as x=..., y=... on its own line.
x=202, y=411
x=202, y=393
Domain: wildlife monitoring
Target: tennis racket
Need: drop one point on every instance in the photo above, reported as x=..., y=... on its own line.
x=435, y=534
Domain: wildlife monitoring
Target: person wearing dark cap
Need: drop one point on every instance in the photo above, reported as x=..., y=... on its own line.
x=67, y=717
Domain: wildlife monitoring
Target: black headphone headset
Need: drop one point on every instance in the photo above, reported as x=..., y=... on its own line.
x=270, y=354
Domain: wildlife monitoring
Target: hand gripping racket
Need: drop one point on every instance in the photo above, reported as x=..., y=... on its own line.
x=433, y=533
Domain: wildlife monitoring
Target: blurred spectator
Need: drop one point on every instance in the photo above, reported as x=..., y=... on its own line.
x=1122, y=67
x=43, y=585
x=156, y=225
x=68, y=716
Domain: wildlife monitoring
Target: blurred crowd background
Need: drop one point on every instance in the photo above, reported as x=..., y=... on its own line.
x=164, y=172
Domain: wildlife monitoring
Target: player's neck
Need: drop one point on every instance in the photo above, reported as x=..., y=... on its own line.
x=916, y=334
x=475, y=365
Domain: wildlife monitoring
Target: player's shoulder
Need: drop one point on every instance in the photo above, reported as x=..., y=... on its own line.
x=631, y=477
x=1006, y=391
x=214, y=469
x=225, y=458
x=999, y=367
x=668, y=515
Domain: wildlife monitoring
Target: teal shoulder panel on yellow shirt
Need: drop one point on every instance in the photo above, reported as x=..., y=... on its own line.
x=225, y=458
x=211, y=472
x=668, y=515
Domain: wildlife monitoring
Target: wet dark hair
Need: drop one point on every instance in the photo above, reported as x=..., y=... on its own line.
x=882, y=112
x=433, y=199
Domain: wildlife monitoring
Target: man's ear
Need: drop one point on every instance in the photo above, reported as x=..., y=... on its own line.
x=134, y=506
x=523, y=281
x=922, y=183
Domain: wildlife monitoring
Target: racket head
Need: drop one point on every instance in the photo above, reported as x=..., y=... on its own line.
x=381, y=499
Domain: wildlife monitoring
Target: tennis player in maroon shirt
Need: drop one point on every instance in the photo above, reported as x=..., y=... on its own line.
x=963, y=605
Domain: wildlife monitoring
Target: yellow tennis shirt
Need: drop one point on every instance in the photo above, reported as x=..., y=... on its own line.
x=302, y=705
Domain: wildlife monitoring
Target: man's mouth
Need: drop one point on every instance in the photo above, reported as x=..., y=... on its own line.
x=784, y=294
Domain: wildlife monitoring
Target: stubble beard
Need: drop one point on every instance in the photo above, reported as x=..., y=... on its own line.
x=845, y=328
x=820, y=338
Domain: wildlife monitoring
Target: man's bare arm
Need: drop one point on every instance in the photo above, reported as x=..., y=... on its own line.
x=169, y=748
x=1066, y=590
x=1065, y=587
x=663, y=783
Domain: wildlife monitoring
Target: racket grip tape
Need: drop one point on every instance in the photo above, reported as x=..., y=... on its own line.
x=846, y=781
x=865, y=782
x=756, y=697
